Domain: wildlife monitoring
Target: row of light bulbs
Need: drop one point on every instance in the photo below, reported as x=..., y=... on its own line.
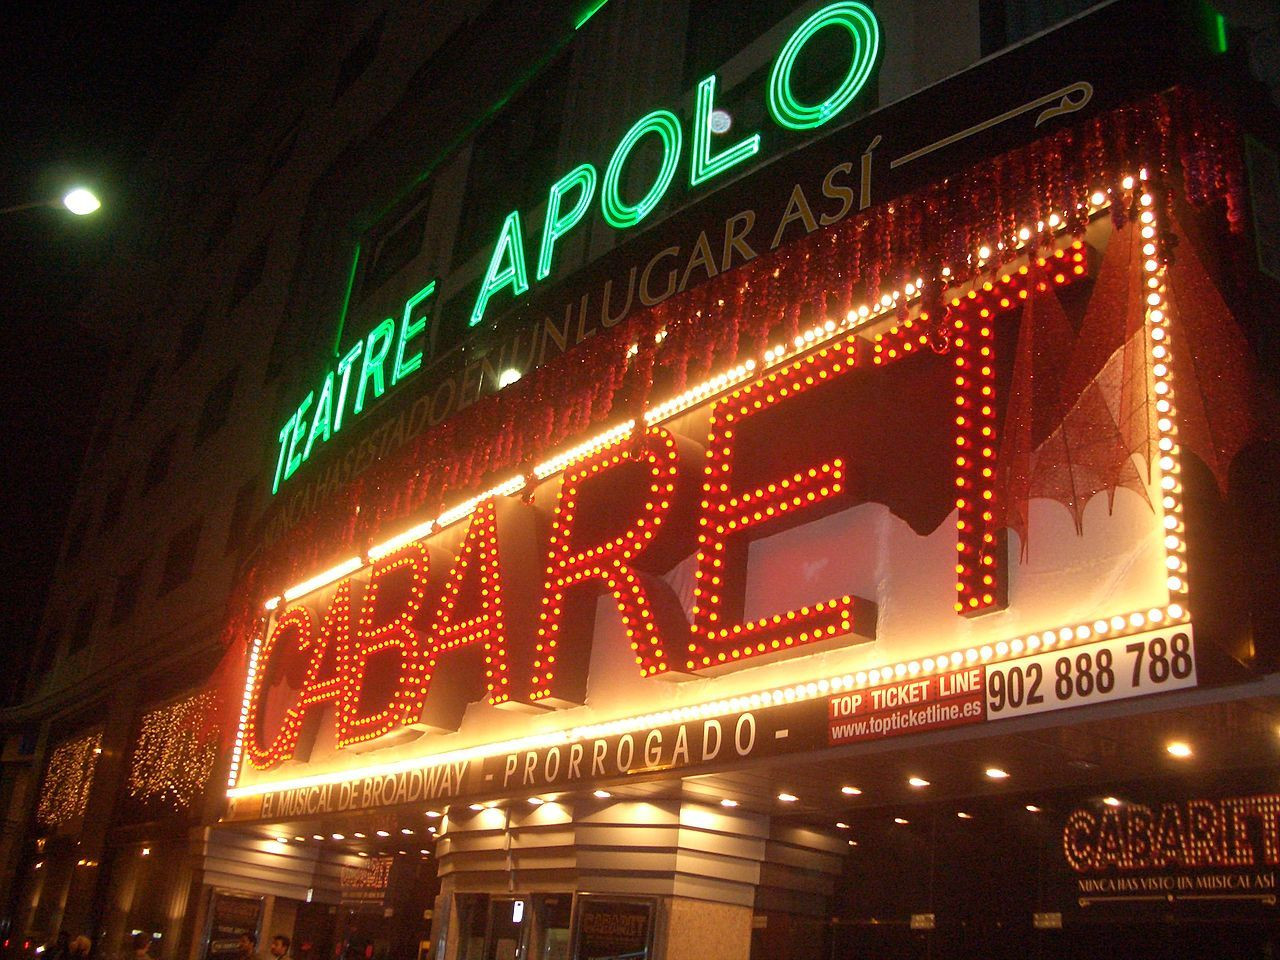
x=1117, y=625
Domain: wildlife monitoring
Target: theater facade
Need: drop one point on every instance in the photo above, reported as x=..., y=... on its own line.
x=869, y=558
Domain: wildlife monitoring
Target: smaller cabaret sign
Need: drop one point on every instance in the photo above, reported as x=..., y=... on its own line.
x=1184, y=850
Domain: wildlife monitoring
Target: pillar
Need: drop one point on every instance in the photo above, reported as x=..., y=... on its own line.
x=711, y=870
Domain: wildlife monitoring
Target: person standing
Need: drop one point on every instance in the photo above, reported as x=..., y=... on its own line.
x=142, y=946
x=249, y=947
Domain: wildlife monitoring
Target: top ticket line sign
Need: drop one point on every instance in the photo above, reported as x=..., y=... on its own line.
x=1114, y=669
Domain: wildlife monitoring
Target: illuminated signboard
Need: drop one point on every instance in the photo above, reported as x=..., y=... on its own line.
x=819, y=530
x=1192, y=852
x=392, y=350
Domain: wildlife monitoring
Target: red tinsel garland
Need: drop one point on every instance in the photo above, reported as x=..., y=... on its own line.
x=738, y=313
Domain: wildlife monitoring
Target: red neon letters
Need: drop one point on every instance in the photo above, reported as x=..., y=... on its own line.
x=621, y=519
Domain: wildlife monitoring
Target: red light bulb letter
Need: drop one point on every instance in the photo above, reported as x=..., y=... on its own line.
x=718, y=635
x=294, y=633
x=642, y=599
x=375, y=633
x=471, y=618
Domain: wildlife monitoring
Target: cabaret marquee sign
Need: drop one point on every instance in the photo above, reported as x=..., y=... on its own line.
x=392, y=352
x=757, y=470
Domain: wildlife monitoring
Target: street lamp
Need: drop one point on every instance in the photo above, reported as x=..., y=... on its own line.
x=79, y=201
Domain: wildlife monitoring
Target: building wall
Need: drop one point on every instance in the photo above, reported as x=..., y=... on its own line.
x=304, y=127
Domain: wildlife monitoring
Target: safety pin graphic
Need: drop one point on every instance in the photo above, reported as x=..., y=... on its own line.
x=1069, y=99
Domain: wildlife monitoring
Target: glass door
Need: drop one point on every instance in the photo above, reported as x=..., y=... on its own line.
x=508, y=926
x=552, y=913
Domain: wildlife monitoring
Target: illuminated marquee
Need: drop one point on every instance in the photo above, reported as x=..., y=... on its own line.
x=775, y=453
x=788, y=446
x=1194, y=834
x=371, y=366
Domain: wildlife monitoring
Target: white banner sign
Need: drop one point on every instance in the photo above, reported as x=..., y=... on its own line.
x=1114, y=669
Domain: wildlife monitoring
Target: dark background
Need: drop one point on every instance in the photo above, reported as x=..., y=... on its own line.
x=85, y=87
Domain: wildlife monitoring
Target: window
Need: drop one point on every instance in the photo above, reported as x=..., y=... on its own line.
x=280, y=153
x=241, y=514
x=723, y=28
x=400, y=244
x=126, y=599
x=359, y=57
x=220, y=224
x=180, y=561
x=512, y=161
x=158, y=464
x=146, y=383
x=82, y=626
x=75, y=538
x=1005, y=22
x=43, y=661
x=249, y=274
x=192, y=334
x=217, y=406
x=113, y=504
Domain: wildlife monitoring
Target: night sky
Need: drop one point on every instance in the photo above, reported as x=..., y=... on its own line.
x=85, y=87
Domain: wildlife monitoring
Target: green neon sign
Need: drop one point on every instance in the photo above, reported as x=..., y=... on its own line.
x=581, y=178
x=320, y=417
x=391, y=353
x=507, y=264
x=619, y=213
x=512, y=273
x=863, y=29
x=703, y=166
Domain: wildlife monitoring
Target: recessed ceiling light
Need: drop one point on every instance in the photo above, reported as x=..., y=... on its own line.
x=1111, y=801
x=383, y=833
x=339, y=836
x=425, y=852
x=317, y=836
x=842, y=825
x=602, y=794
x=788, y=797
x=406, y=831
x=477, y=807
x=1179, y=749
x=433, y=814
x=361, y=853
x=728, y=803
x=853, y=843
x=901, y=820
x=918, y=781
x=964, y=816
x=536, y=801
x=851, y=791
x=282, y=839
x=358, y=836
x=301, y=839
x=1032, y=808
x=995, y=773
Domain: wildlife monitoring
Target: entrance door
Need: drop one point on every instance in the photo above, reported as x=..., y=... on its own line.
x=508, y=926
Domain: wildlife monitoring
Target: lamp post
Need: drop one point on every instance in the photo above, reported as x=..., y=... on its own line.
x=79, y=201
